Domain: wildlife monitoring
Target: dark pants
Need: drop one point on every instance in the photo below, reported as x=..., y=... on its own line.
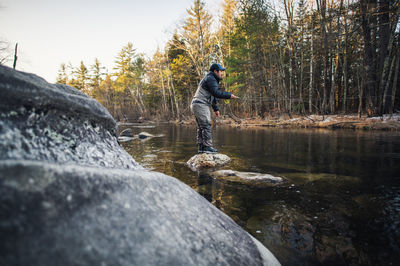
x=203, y=121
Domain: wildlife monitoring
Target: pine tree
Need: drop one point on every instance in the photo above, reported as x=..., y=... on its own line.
x=110, y=101
x=62, y=75
x=227, y=22
x=124, y=60
x=81, y=80
x=97, y=74
x=4, y=52
x=197, y=37
x=128, y=84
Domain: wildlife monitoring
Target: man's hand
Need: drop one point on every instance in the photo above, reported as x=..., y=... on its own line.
x=216, y=113
x=233, y=96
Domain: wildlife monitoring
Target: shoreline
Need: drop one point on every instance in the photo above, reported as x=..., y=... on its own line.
x=382, y=123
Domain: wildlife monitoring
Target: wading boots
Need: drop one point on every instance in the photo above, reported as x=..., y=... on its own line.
x=200, y=148
x=206, y=149
x=209, y=149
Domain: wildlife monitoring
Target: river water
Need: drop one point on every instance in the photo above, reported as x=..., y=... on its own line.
x=339, y=206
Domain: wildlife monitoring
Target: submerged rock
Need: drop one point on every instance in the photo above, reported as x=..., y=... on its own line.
x=145, y=135
x=290, y=231
x=248, y=177
x=125, y=139
x=70, y=195
x=206, y=160
x=126, y=133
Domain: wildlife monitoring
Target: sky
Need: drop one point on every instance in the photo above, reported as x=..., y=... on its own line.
x=51, y=32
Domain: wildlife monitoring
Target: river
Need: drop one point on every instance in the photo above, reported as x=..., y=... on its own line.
x=340, y=206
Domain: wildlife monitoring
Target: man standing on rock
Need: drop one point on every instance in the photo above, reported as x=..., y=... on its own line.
x=207, y=95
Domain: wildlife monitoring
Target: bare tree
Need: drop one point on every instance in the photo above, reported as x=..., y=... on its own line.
x=321, y=6
x=4, y=52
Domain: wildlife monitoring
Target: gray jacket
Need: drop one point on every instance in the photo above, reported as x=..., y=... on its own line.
x=208, y=92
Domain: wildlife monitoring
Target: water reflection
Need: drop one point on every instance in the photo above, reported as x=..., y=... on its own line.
x=205, y=185
x=341, y=205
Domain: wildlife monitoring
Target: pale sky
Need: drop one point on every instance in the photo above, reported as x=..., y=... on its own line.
x=51, y=32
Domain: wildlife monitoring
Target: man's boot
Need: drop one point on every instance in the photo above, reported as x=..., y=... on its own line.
x=209, y=149
x=200, y=148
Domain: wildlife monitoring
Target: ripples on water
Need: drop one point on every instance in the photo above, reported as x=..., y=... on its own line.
x=342, y=202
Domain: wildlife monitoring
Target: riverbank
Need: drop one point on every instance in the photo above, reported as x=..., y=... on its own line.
x=315, y=121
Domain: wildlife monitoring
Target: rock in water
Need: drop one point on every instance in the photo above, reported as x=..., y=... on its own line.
x=206, y=160
x=248, y=177
x=126, y=133
x=145, y=135
x=70, y=195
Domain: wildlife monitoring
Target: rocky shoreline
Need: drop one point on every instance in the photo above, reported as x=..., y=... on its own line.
x=385, y=123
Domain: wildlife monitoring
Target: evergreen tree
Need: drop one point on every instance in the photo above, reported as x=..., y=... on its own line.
x=109, y=99
x=175, y=47
x=4, y=52
x=124, y=60
x=62, y=75
x=81, y=78
x=97, y=74
x=96, y=78
x=197, y=37
x=228, y=26
x=129, y=80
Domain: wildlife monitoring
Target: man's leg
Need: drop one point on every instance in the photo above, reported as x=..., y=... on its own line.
x=199, y=136
x=196, y=110
x=203, y=119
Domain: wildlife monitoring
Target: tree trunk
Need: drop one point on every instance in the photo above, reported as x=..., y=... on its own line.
x=311, y=85
x=384, y=45
x=386, y=92
x=345, y=71
x=163, y=93
x=321, y=5
x=334, y=84
x=335, y=74
x=171, y=98
x=396, y=76
x=387, y=68
x=175, y=100
x=360, y=93
x=368, y=60
x=15, y=56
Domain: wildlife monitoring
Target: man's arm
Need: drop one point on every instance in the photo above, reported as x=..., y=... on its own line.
x=212, y=86
x=214, y=105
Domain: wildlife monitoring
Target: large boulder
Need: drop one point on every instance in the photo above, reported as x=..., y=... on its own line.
x=70, y=195
x=55, y=123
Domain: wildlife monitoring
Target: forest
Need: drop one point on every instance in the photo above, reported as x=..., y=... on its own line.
x=284, y=57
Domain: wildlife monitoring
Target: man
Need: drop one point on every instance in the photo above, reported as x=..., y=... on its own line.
x=206, y=95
